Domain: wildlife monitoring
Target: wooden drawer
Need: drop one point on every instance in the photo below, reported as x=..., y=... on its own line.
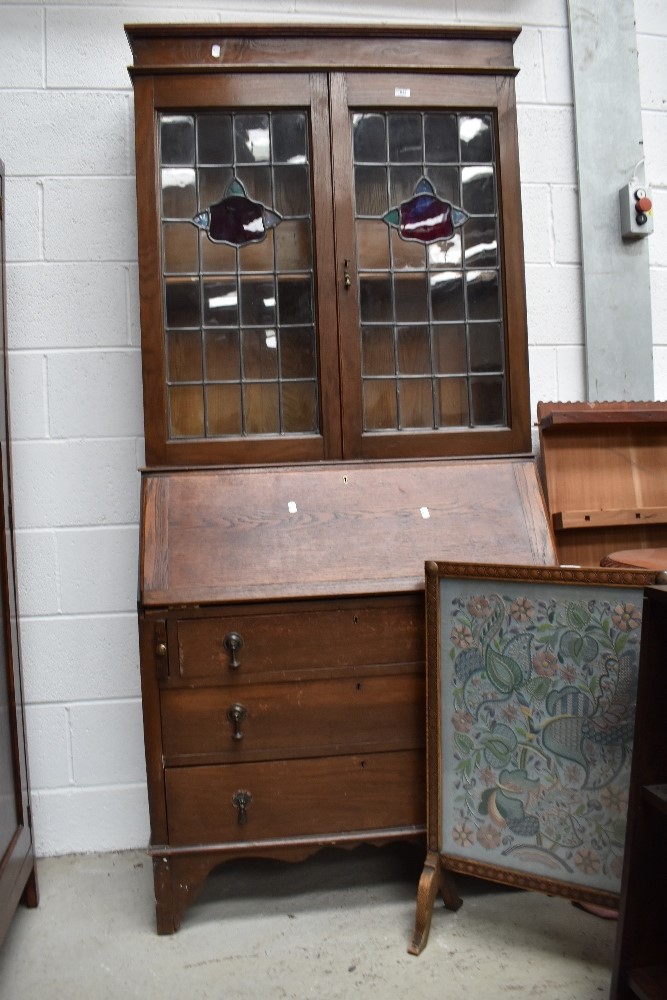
x=314, y=717
x=304, y=639
x=292, y=798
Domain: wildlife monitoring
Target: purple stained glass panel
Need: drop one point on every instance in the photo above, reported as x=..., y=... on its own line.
x=236, y=220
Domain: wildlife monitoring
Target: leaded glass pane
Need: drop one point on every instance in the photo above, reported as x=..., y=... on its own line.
x=221, y=306
x=377, y=350
x=288, y=136
x=375, y=299
x=295, y=301
x=238, y=273
x=181, y=248
x=447, y=182
x=478, y=190
x=186, y=411
x=258, y=303
x=299, y=405
x=452, y=402
x=482, y=295
x=216, y=258
x=431, y=301
x=372, y=246
x=414, y=350
x=405, y=138
x=447, y=302
x=441, y=138
x=449, y=349
x=258, y=257
x=257, y=183
x=446, y=253
x=380, y=407
x=369, y=138
x=292, y=190
x=402, y=183
x=261, y=408
x=415, y=400
x=182, y=305
x=297, y=353
x=252, y=142
x=215, y=139
x=224, y=409
x=407, y=254
x=411, y=298
x=213, y=182
x=293, y=246
x=481, y=243
x=222, y=355
x=486, y=347
x=260, y=354
x=184, y=355
x=487, y=401
x=370, y=191
x=476, y=139
x=177, y=140
x=179, y=195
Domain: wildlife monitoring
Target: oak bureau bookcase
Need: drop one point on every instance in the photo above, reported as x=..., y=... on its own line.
x=335, y=390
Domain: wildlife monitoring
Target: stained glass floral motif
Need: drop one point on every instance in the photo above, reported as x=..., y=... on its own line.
x=539, y=710
x=425, y=218
x=236, y=219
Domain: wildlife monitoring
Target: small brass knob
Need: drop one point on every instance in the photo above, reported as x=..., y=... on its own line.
x=161, y=649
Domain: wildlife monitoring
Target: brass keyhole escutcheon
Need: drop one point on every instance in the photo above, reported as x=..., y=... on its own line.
x=242, y=800
x=236, y=714
x=347, y=280
x=233, y=642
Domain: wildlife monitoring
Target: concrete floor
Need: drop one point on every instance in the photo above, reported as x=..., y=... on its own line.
x=335, y=927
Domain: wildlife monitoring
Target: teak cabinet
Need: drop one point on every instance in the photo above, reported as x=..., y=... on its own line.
x=333, y=322
x=17, y=859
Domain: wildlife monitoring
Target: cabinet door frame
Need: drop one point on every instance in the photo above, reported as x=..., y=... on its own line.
x=234, y=91
x=429, y=92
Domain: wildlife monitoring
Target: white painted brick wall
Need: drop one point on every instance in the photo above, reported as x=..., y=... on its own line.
x=66, y=135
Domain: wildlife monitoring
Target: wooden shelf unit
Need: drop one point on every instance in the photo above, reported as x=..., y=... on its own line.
x=602, y=468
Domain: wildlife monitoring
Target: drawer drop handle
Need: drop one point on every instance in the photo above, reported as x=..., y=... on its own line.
x=242, y=800
x=233, y=642
x=236, y=714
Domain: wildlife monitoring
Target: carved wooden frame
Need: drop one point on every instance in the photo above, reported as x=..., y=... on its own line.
x=537, y=584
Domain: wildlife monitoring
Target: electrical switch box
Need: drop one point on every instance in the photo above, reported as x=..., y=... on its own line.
x=636, y=205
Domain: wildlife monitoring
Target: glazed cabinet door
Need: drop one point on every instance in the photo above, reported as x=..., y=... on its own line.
x=238, y=312
x=432, y=331
x=17, y=877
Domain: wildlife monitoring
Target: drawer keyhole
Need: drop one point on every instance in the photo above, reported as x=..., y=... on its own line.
x=233, y=642
x=236, y=714
x=241, y=801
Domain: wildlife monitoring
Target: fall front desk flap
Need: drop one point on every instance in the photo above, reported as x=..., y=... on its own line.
x=271, y=533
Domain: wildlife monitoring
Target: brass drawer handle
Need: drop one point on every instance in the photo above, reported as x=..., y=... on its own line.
x=242, y=800
x=236, y=714
x=233, y=642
